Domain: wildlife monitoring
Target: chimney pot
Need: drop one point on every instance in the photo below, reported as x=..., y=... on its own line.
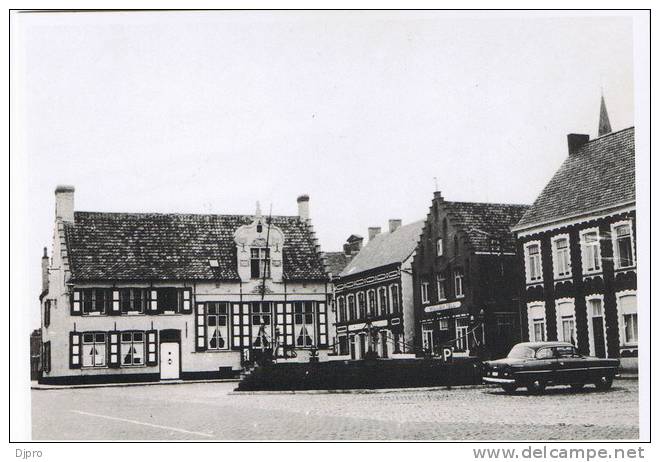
x=44, y=271
x=64, y=203
x=373, y=232
x=575, y=142
x=395, y=223
x=303, y=207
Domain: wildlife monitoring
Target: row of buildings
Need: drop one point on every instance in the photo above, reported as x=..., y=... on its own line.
x=145, y=297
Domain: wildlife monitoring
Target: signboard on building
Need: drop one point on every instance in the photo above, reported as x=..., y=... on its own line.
x=442, y=307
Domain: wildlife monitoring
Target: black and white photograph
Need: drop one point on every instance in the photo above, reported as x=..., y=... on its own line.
x=330, y=225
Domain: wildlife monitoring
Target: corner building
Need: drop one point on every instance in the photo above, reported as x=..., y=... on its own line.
x=148, y=297
x=579, y=252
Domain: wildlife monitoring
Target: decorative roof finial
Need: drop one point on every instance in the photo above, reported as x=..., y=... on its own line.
x=604, y=123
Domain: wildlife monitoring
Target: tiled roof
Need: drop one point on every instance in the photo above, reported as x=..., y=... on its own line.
x=385, y=249
x=599, y=175
x=151, y=246
x=481, y=221
x=335, y=262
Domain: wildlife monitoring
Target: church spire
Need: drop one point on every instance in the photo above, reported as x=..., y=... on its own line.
x=604, y=123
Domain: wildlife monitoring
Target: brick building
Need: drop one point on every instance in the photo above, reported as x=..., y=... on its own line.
x=465, y=271
x=147, y=296
x=373, y=296
x=578, y=248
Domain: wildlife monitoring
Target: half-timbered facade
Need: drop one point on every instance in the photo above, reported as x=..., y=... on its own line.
x=465, y=272
x=578, y=249
x=146, y=296
x=373, y=296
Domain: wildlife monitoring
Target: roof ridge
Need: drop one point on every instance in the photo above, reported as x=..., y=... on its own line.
x=632, y=127
x=182, y=214
x=507, y=204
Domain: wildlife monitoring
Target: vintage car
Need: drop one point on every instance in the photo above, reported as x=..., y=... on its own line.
x=536, y=365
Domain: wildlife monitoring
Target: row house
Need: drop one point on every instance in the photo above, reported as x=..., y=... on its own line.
x=465, y=279
x=147, y=296
x=578, y=246
x=373, y=295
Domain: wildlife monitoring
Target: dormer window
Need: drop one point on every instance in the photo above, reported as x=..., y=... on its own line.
x=260, y=262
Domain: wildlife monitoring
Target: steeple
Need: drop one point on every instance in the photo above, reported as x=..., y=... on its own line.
x=604, y=123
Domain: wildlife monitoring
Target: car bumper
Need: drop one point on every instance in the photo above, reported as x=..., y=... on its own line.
x=498, y=380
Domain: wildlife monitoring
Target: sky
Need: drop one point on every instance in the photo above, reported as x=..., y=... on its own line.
x=364, y=111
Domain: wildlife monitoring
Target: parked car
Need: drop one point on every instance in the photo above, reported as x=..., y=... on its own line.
x=536, y=365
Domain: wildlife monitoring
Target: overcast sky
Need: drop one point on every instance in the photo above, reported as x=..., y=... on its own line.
x=210, y=112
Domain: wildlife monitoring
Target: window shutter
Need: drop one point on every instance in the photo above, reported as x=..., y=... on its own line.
x=153, y=302
x=186, y=306
x=323, y=334
x=76, y=303
x=74, y=350
x=114, y=307
x=152, y=347
x=115, y=353
x=47, y=313
x=200, y=328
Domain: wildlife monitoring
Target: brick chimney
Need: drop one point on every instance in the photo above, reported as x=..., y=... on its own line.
x=395, y=223
x=373, y=232
x=575, y=142
x=44, y=271
x=303, y=207
x=353, y=244
x=64, y=203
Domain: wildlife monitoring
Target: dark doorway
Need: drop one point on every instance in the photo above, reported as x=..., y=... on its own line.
x=599, y=336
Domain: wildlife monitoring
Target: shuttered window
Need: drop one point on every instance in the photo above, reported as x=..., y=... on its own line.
x=74, y=350
x=200, y=327
x=113, y=343
x=152, y=347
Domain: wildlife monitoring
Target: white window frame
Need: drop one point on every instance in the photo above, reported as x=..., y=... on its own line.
x=592, y=340
x=459, y=277
x=559, y=317
x=583, y=250
x=394, y=287
x=620, y=315
x=440, y=283
x=528, y=271
x=555, y=256
x=438, y=247
x=427, y=334
x=532, y=306
x=615, y=247
x=425, y=291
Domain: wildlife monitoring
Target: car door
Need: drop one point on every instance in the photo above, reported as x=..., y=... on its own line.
x=571, y=367
x=545, y=365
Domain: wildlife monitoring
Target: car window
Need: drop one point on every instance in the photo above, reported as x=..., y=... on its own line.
x=544, y=353
x=521, y=352
x=565, y=351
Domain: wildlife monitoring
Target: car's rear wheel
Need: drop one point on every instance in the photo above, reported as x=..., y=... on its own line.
x=577, y=386
x=537, y=387
x=509, y=388
x=604, y=383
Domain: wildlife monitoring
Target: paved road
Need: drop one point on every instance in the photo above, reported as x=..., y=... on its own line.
x=201, y=411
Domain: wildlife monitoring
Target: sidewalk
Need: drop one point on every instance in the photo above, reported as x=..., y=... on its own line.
x=39, y=386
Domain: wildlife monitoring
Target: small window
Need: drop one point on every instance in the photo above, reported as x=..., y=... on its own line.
x=343, y=345
x=394, y=292
x=623, y=246
x=260, y=262
x=440, y=282
x=533, y=262
x=47, y=313
x=352, y=314
x=93, y=349
x=458, y=283
x=217, y=322
x=383, y=301
x=133, y=300
x=371, y=307
x=132, y=348
x=362, y=305
x=539, y=329
x=561, y=256
x=443, y=324
x=438, y=247
x=341, y=302
x=425, y=292
x=591, y=260
x=168, y=299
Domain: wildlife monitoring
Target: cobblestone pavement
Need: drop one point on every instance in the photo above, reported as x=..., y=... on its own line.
x=211, y=411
